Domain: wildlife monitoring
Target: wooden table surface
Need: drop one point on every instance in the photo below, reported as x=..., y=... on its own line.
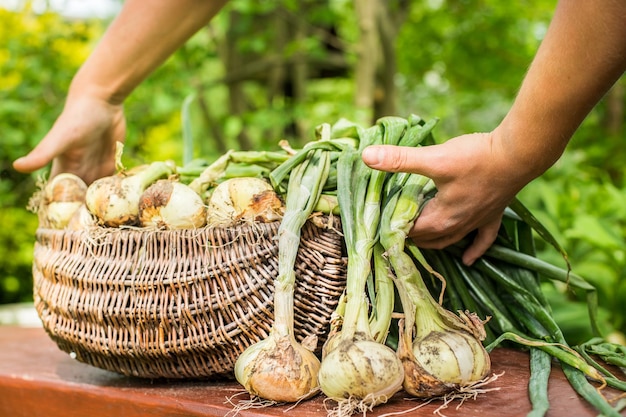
x=39, y=380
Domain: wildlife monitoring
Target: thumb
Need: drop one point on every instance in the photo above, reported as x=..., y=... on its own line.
x=391, y=158
x=39, y=157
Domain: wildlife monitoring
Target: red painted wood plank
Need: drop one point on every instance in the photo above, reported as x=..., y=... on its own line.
x=38, y=379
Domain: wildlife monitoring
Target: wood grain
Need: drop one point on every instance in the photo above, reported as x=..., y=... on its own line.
x=38, y=379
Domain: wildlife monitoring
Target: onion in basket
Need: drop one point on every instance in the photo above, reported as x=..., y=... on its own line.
x=82, y=219
x=243, y=199
x=172, y=205
x=62, y=196
x=114, y=200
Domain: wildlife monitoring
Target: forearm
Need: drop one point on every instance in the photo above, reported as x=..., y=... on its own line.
x=142, y=37
x=581, y=57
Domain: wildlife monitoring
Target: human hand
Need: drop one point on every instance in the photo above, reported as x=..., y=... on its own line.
x=82, y=141
x=475, y=180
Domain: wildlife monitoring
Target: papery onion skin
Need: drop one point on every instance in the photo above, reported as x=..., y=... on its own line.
x=81, y=220
x=364, y=370
x=65, y=187
x=58, y=214
x=171, y=205
x=278, y=369
x=265, y=207
x=111, y=203
x=114, y=200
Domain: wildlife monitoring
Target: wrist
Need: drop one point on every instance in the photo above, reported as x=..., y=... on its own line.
x=532, y=148
x=86, y=86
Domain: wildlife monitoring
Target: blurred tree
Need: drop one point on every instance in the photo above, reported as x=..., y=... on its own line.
x=265, y=71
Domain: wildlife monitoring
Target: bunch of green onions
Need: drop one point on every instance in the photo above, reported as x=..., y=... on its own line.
x=370, y=372
x=377, y=210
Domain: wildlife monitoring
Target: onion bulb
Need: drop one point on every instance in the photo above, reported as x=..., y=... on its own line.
x=62, y=197
x=114, y=200
x=171, y=205
x=441, y=361
x=452, y=356
x=82, y=219
x=243, y=199
x=361, y=369
x=279, y=369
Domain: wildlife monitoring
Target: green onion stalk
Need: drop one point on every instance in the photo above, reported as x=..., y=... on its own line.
x=211, y=174
x=440, y=351
x=409, y=132
x=358, y=371
x=279, y=368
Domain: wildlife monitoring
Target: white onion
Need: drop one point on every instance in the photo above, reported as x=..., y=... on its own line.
x=62, y=196
x=454, y=357
x=243, y=199
x=81, y=220
x=364, y=369
x=171, y=205
x=278, y=368
x=441, y=361
x=114, y=200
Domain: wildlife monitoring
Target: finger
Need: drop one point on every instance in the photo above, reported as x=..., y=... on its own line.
x=38, y=158
x=419, y=160
x=437, y=243
x=435, y=221
x=484, y=239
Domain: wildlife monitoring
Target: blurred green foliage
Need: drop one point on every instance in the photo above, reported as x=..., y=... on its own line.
x=39, y=54
x=459, y=60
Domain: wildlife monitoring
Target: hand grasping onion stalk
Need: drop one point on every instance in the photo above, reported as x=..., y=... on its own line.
x=278, y=368
x=446, y=352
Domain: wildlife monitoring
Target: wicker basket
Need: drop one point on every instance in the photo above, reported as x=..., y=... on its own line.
x=177, y=304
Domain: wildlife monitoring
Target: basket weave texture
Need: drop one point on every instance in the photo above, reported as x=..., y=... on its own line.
x=178, y=304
